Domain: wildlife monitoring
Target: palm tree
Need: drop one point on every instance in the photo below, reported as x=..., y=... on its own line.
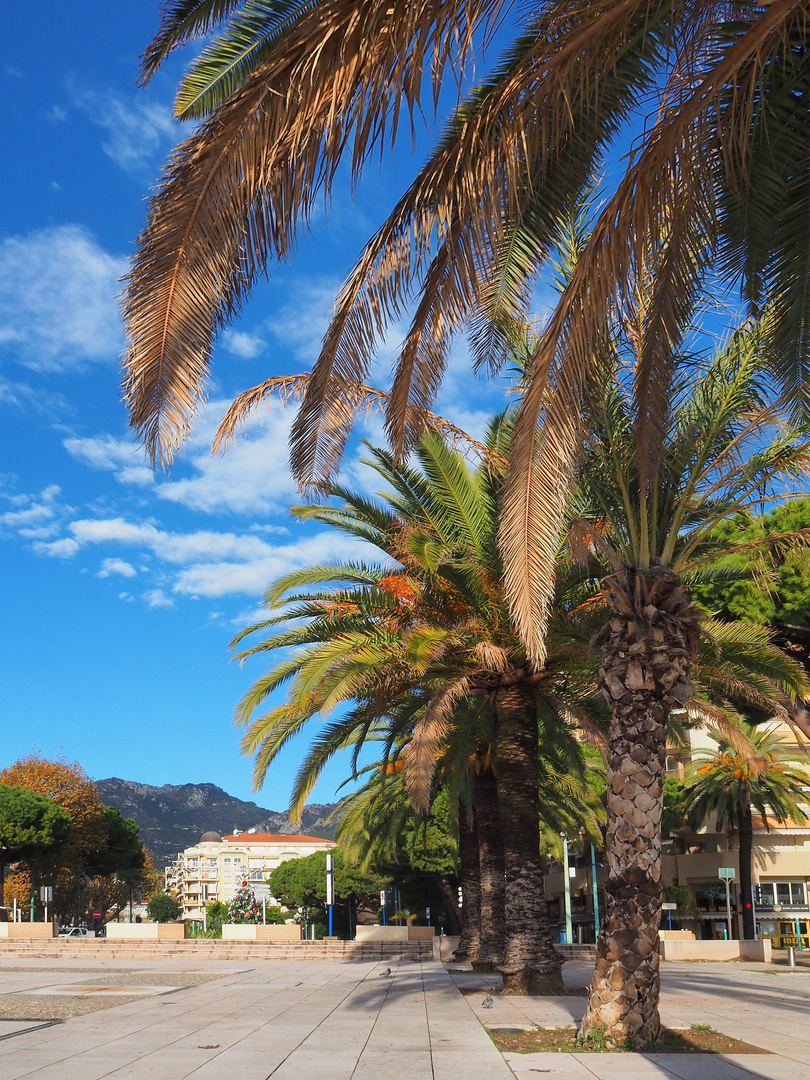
x=649, y=518
x=288, y=89
x=756, y=772
x=434, y=630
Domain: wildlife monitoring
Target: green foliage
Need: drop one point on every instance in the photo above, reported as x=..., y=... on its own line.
x=753, y=769
x=761, y=585
x=673, y=812
x=301, y=884
x=216, y=913
x=31, y=825
x=163, y=908
x=123, y=853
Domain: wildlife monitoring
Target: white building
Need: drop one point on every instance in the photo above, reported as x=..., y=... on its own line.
x=214, y=869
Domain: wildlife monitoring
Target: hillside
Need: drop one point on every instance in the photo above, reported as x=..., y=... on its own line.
x=175, y=816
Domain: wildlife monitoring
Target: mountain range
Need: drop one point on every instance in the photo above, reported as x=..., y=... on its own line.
x=175, y=816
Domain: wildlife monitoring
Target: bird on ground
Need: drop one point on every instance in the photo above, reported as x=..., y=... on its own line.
x=487, y=1002
x=386, y=974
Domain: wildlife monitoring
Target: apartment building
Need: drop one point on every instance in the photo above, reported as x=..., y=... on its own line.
x=214, y=869
x=692, y=860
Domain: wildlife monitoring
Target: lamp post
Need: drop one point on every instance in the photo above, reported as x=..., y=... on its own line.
x=569, y=930
x=595, y=894
x=726, y=874
x=330, y=889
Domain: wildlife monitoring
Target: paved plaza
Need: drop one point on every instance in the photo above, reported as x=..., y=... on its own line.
x=313, y=1020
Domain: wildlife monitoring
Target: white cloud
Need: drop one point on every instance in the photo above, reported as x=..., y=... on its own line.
x=33, y=399
x=138, y=132
x=35, y=517
x=300, y=323
x=65, y=548
x=58, y=299
x=117, y=566
x=206, y=563
x=252, y=477
x=119, y=456
x=245, y=346
x=156, y=598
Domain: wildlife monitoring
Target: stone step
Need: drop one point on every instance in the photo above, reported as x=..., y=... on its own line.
x=205, y=948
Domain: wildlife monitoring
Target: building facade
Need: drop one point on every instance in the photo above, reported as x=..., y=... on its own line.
x=214, y=869
x=692, y=860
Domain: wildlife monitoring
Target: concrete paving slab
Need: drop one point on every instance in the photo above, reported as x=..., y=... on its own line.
x=559, y=1066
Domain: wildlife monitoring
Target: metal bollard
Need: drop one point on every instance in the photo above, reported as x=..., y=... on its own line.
x=791, y=957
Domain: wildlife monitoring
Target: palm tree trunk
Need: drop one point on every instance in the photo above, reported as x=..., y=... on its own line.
x=647, y=648
x=491, y=869
x=470, y=872
x=531, y=964
x=746, y=831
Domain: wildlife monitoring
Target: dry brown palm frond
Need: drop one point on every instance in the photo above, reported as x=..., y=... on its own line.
x=673, y=169
x=234, y=194
x=492, y=657
x=361, y=397
x=457, y=206
x=428, y=737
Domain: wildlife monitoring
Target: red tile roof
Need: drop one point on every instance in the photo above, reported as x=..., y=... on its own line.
x=273, y=838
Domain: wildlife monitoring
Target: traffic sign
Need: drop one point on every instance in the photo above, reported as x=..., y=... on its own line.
x=46, y=893
x=669, y=907
x=96, y=914
x=726, y=872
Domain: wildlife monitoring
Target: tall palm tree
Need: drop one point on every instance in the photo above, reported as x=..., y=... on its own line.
x=435, y=629
x=758, y=772
x=650, y=517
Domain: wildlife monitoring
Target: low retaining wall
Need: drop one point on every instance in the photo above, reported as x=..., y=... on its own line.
x=394, y=933
x=260, y=932
x=716, y=950
x=29, y=930
x=146, y=931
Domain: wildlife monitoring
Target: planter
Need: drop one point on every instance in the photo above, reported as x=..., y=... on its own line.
x=20, y=930
x=259, y=932
x=175, y=931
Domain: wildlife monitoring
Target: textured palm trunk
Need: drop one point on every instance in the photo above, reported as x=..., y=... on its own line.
x=648, y=647
x=746, y=831
x=531, y=964
x=470, y=873
x=491, y=870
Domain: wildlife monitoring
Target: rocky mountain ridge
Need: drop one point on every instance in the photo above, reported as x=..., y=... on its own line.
x=175, y=816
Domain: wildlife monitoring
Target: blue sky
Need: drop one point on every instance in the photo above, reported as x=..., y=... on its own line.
x=122, y=590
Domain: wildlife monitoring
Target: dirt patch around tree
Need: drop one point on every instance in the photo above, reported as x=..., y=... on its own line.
x=699, y=1039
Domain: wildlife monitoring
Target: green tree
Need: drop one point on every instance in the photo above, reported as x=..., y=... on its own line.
x=751, y=769
x=123, y=852
x=32, y=828
x=411, y=643
x=301, y=884
x=163, y=908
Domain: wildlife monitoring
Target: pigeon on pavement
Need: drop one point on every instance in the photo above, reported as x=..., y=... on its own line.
x=386, y=974
x=487, y=1002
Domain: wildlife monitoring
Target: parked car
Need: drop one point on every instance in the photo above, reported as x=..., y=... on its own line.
x=80, y=932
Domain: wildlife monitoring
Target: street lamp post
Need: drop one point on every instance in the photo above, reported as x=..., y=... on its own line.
x=569, y=930
x=330, y=889
x=726, y=874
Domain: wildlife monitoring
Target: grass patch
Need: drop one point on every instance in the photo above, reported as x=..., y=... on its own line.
x=699, y=1039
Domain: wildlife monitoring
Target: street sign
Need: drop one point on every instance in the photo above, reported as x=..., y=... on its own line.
x=46, y=893
x=726, y=872
x=669, y=907
x=96, y=914
x=382, y=897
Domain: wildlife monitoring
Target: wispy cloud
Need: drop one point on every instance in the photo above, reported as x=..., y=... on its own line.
x=58, y=299
x=117, y=566
x=252, y=478
x=243, y=345
x=137, y=132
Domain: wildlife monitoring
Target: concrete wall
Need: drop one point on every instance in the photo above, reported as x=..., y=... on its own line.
x=29, y=930
x=260, y=932
x=381, y=933
x=146, y=931
x=676, y=935
x=715, y=950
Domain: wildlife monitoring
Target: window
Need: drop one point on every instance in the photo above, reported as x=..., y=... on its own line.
x=227, y=862
x=785, y=894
